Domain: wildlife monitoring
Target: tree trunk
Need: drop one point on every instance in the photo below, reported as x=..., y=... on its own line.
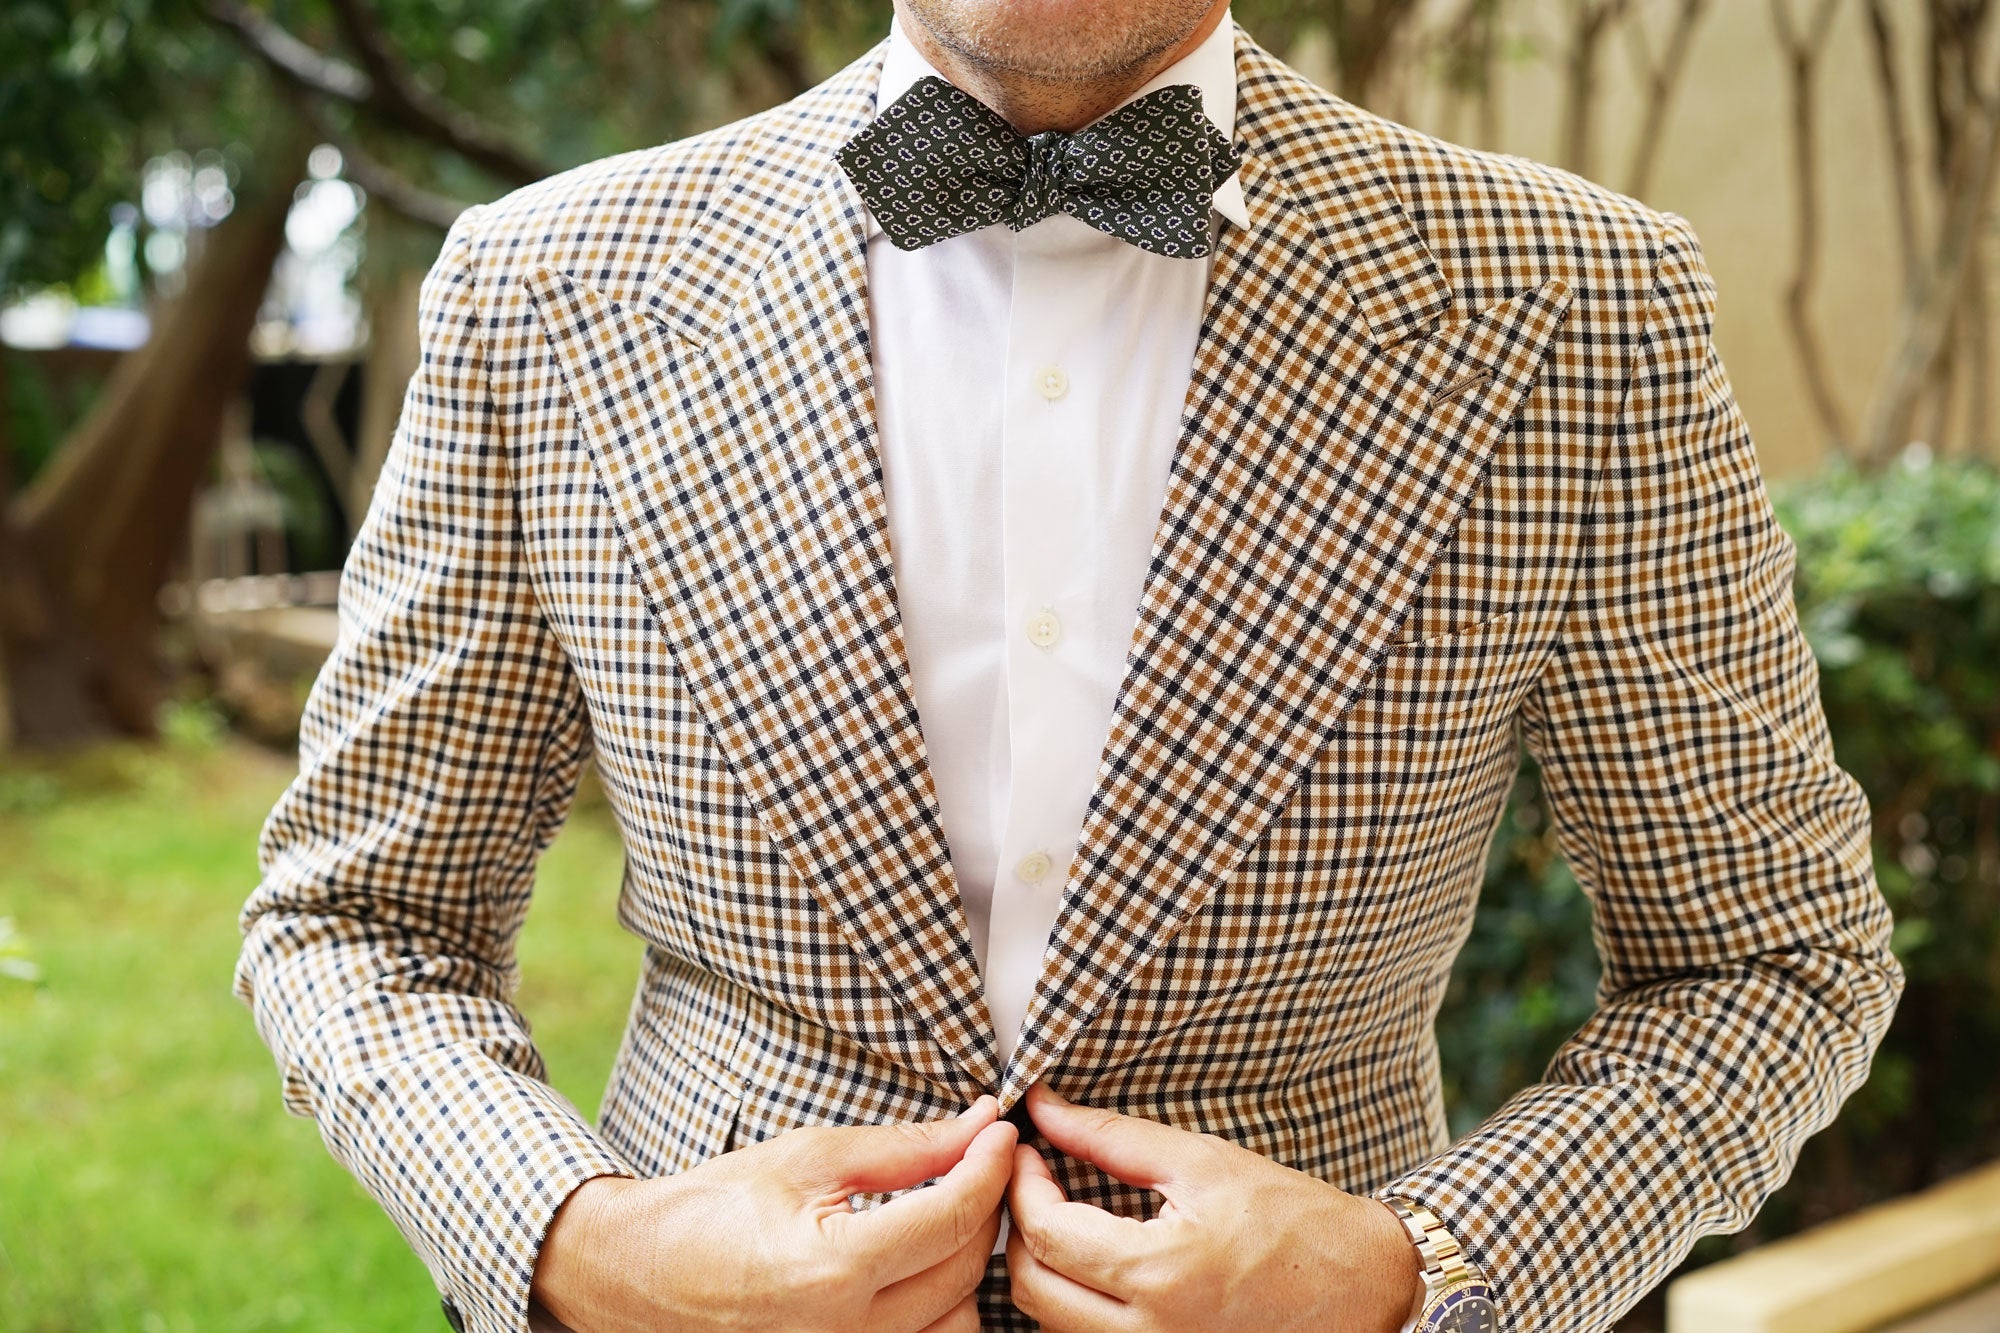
x=393, y=355
x=86, y=546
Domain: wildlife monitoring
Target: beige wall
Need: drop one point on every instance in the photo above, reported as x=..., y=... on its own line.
x=1725, y=166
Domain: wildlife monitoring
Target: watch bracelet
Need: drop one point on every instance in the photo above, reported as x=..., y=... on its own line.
x=1445, y=1263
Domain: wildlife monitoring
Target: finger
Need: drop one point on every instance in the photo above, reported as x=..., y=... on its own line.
x=912, y=1231
x=1056, y=1301
x=880, y=1158
x=1131, y=1148
x=1087, y=1244
x=925, y=1300
x=1032, y=1184
x=962, y=1318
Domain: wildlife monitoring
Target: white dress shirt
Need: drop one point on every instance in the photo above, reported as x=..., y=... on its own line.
x=1028, y=389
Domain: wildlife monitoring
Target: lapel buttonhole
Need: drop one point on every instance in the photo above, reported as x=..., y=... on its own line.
x=1458, y=386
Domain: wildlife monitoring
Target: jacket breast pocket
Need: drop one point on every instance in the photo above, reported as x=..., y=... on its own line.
x=1458, y=679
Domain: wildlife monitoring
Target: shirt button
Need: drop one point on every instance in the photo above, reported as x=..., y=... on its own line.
x=1052, y=382
x=1043, y=628
x=1033, y=866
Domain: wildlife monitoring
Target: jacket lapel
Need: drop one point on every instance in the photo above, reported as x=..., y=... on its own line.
x=1314, y=484
x=729, y=410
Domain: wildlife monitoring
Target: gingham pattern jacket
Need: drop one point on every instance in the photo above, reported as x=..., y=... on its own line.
x=1460, y=470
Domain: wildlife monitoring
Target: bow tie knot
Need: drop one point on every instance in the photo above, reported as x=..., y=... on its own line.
x=1047, y=176
x=939, y=162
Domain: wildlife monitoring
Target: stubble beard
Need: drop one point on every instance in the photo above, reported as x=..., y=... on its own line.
x=1030, y=47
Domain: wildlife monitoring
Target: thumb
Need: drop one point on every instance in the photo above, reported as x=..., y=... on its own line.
x=1138, y=1151
x=893, y=1156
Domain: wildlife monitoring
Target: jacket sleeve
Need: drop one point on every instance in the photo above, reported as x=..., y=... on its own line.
x=1747, y=976
x=439, y=753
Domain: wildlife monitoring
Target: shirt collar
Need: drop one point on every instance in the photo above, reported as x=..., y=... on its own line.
x=1211, y=66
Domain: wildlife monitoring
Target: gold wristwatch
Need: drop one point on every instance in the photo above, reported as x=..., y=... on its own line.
x=1456, y=1297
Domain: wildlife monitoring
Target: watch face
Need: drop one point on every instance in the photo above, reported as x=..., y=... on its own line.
x=1465, y=1309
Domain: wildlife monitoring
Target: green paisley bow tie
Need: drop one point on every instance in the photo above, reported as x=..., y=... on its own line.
x=938, y=162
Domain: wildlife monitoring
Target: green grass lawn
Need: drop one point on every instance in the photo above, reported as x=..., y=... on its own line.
x=150, y=1178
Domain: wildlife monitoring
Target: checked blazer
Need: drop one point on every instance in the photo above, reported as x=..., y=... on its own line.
x=1459, y=472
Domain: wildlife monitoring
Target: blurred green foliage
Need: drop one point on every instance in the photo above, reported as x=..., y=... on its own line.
x=1898, y=590
x=310, y=532
x=16, y=962
x=1900, y=594
x=1525, y=978
x=564, y=81
x=196, y=726
x=64, y=148
x=40, y=409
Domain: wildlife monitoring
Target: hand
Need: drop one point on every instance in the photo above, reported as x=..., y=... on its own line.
x=765, y=1236
x=1241, y=1243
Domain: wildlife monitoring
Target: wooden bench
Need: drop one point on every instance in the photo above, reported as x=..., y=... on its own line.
x=1930, y=1260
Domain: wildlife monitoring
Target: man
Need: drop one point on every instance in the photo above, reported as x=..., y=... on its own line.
x=1230, y=480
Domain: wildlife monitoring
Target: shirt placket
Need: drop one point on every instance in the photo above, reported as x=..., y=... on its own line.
x=1049, y=563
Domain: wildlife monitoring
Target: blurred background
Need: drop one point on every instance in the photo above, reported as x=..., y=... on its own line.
x=214, y=216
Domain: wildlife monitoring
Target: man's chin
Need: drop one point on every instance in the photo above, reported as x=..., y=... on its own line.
x=1058, y=41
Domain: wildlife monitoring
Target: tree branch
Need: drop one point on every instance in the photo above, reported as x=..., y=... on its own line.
x=1927, y=318
x=1802, y=57
x=421, y=111
x=294, y=59
x=1589, y=21
x=1902, y=189
x=383, y=89
x=1660, y=80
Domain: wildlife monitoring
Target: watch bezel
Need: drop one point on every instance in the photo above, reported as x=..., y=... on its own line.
x=1439, y=1303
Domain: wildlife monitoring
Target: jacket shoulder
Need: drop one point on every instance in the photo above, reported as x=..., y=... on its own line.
x=1475, y=204
x=609, y=221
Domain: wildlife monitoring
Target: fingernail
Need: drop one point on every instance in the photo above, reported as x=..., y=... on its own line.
x=973, y=1109
x=1055, y=1096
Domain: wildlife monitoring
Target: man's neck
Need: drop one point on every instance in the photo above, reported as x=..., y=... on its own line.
x=1032, y=105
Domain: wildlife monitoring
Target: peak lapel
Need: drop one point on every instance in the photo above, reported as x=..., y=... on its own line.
x=1313, y=486
x=730, y=413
